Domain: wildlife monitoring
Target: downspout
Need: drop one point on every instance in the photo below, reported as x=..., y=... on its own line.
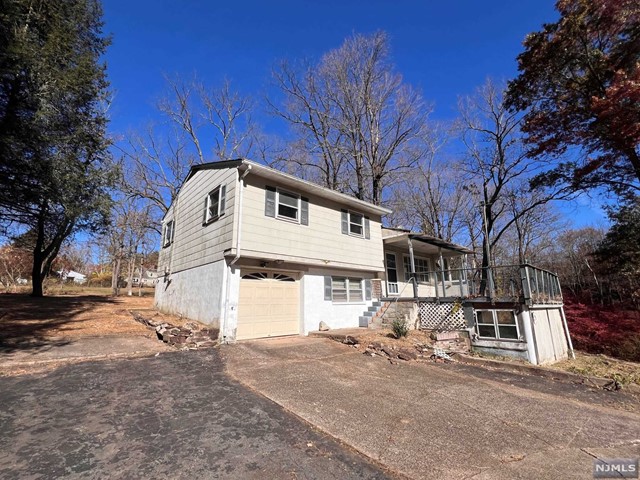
x=237, y=255
x=239, y=210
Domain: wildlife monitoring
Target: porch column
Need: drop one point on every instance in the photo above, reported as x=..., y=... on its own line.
x=414, y=280
x=444, y=288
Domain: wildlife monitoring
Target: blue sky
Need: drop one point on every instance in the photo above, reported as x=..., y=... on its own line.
x=446, y=49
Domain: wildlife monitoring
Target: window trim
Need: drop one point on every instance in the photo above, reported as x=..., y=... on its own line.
x=349, y=223
x=212, y=218
x=298, y=197
x=407, y=274
x=496, y=325
x=168, y=233
x=347, y=284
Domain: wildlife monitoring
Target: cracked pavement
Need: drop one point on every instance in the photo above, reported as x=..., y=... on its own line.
x=437, y=421
x=174, y=415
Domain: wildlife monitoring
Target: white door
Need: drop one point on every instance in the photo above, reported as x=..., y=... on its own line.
x=269, y=305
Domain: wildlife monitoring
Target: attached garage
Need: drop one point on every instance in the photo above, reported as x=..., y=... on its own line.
x=269, y=305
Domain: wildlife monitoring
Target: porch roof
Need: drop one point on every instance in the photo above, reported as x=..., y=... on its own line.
x=423, y=243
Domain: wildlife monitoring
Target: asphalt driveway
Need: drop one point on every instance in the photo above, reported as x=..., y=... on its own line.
x=435, y=421
x=175, y=415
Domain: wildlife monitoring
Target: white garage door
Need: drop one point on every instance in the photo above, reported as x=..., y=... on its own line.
x=269, y=305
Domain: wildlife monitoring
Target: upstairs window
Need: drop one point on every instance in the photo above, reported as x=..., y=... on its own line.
x=214, y=205
x=355, y=224
x=285, y=205
x=288, y=206
x=167, y=233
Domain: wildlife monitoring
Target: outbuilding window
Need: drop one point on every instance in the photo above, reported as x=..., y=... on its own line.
x=498, y=324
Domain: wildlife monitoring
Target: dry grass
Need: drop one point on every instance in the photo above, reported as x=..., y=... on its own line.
x=602, y=366
x=24, y=319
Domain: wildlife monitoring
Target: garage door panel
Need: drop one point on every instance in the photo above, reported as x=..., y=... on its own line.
x=268, y=306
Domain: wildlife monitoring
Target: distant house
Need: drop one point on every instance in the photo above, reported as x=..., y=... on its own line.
x=70, y=275
x=145, y=277
x=257, y=252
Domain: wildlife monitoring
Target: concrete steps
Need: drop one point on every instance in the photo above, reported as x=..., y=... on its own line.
x=369, y=317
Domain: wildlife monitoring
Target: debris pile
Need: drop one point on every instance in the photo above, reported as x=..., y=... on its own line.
x=394, y=353
x=190, y=336
x=454, y=341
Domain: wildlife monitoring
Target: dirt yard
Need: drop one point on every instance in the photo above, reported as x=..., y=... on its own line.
x=27, y=321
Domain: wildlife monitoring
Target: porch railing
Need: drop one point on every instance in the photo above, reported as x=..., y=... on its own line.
x=507, y=282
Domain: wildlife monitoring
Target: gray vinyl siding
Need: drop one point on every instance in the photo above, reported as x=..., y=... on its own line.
x=195, y=244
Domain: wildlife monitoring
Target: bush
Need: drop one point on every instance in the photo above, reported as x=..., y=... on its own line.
x=400, y=327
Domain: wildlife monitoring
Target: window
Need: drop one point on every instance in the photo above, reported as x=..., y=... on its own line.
x=422, y=269
x=449, y=275
x=500, y=324
x=167, y=234
x=214, y=205
x=288, y=206
x=355, y=224
x=345, y=289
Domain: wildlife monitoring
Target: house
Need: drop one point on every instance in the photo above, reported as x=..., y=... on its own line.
x=145, y=277
x=255, y=252
x=70, y=275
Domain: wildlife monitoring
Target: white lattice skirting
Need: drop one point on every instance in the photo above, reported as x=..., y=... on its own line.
x=443, y=317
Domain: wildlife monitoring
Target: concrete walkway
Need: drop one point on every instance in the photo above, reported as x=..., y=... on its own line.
x=434, y=421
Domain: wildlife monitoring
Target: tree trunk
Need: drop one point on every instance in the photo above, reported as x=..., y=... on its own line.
x=36, y=275
x=130, y=269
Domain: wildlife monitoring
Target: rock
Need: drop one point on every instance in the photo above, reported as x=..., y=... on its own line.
x=349, y=340
x=406, y=354
x=376, y=345
x=323, y=327
x=390, y=353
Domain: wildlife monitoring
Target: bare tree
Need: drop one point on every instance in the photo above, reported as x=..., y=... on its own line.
x=203, y=124
x=430, y=197
x=354, y=116
x=496, y=165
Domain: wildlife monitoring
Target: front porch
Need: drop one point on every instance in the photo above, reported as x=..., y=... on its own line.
x=510, y=310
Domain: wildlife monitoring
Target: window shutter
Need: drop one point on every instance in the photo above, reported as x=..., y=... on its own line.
x=327, y=288
x=206, y=207
x=270, y=202
x=345, y=222
x=304, y=211
x=367, y=228
x=223, y=198
x=367, y=289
